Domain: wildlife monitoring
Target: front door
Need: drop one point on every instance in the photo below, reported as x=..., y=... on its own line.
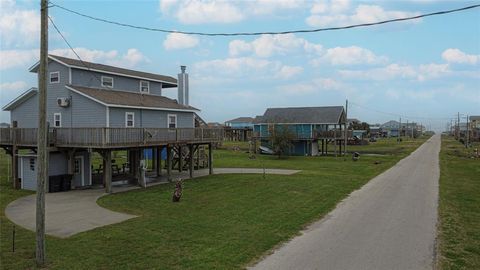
x=78, y=179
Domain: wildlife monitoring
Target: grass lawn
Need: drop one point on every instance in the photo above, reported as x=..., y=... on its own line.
x=222, y=222
x=459, y=209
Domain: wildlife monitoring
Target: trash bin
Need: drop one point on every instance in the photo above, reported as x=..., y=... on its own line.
x=55, y=183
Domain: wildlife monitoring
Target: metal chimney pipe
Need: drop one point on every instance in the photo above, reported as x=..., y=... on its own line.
x=183, y=91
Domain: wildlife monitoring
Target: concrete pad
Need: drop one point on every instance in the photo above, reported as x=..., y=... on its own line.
x=66, y=213
x=72, y=212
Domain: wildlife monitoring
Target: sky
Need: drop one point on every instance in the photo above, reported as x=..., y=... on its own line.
x=425, y=70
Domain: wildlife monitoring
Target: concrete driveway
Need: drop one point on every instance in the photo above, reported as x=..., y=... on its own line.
x=66, y=213
x=72, y=212
x=390, y=223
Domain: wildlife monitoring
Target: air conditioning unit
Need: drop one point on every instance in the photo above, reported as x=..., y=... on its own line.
x=63, y=102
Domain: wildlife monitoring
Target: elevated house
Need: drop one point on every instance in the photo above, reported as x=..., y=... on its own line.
x=312, y=128
x=391, y=128
x=240, y=122
x=93, y=107
x=239, y=129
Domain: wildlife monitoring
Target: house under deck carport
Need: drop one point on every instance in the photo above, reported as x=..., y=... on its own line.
x=313, y=128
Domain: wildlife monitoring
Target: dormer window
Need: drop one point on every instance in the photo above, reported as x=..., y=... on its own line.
x=55, y=77
x=107, y=81
x=144, y=86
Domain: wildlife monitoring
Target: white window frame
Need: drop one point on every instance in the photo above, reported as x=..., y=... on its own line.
x=148, y=87
x=59, y=119
x=105, y=77
x=55, y=72
x=168, y=120
x=126, y=119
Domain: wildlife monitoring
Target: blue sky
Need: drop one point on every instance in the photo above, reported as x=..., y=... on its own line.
x=427, y=69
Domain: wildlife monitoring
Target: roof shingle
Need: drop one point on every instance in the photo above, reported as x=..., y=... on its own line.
x=167, y=80
x=122, y=98
x=305, y=115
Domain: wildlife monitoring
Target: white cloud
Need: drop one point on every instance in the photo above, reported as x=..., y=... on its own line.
x=131, y=58
x=315, y=86
x=397, y=71
x=253, y=68
x=222, y=11
x=459, y=57
x=430, y=71
x=18, y=26
x=13, y=86
x=268, y=45
x=352, y=55
x=179, y=41
x=17, y=58
x=265, y=7
x=199, y=12
x=287, y=72
x=332, y=14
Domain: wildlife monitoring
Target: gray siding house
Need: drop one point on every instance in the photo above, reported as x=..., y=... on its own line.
x=89, y=95
x=308, y=125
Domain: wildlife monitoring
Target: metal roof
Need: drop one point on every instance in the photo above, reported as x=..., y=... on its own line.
x=69, y=62
x=303, y=115
x=116, y=98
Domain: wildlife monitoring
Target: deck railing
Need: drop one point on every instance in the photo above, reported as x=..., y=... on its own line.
x=111, y=137
x=330, y=134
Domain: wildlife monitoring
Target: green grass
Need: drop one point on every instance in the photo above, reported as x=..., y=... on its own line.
x=222, y=222
x=459, y=207
x=385, y=146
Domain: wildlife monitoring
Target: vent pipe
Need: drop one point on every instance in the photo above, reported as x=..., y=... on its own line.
x=183, y=94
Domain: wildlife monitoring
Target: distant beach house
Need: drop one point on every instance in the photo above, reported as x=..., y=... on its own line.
x=96, y=107
x=239, y=129
x=240, y=122
x=309, y=125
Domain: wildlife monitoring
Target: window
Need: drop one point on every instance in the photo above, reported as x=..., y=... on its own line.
x=55, y=77
x=76, y=166
x=107, y=82
x=32, y=164
x=144, y=86
x=172, y=121
x=129, y=119
x=57, y=120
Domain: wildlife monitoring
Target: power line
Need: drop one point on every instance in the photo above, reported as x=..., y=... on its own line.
x=264, y=33
x=73, y=50
x=399, y=115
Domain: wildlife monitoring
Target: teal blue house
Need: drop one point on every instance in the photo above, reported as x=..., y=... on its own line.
x=313, y=127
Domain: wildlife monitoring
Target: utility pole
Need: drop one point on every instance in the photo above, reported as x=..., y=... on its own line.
x=458, y=125
x=346, y=128
x=468, y=134
x=42, y=151
x=399, y=130
x=406, y=130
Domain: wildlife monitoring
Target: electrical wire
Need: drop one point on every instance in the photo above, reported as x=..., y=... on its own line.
x=73, y=50
x=263, y=33
x=406, y=117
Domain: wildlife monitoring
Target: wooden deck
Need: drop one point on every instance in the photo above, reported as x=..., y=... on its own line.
x=106, y=138
x=316, y=135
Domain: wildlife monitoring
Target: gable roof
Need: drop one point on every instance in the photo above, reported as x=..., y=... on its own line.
x=75, y=63
x=303, y=115
x=123, y=99
x=241, y=120
x=20, y=99
x=475, y=118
